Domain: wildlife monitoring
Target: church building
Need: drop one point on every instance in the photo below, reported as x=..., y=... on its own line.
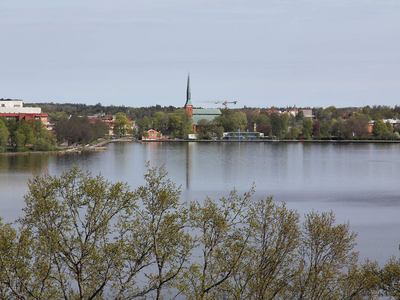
x=199, y=113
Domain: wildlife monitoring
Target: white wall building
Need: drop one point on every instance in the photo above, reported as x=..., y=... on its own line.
x=11, y=106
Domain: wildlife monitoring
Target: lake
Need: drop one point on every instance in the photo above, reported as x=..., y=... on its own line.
x=359, y=182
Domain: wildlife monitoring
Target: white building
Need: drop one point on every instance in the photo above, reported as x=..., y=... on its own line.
x=11, y=106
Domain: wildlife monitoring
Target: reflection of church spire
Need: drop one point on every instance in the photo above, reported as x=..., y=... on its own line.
x=189, y=164
x=188, y=105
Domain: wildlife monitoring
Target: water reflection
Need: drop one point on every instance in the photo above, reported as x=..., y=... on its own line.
x=23, y=163
x=189, y=164
x=358, y=181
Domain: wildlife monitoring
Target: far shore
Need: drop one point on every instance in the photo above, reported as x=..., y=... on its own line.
x=272, y=141
x=101, y=146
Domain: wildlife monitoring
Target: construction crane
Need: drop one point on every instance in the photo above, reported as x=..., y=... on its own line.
x=216, y=102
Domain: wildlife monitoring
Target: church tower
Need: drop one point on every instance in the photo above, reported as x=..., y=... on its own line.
x=188, y=105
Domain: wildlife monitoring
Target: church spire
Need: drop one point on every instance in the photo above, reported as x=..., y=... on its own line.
x=188, y=94
x=188, y=105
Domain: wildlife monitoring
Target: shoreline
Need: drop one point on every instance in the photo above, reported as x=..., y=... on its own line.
x=276, y=141
x=100, y=146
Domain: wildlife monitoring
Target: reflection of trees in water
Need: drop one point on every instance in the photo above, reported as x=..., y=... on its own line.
x=23, y=163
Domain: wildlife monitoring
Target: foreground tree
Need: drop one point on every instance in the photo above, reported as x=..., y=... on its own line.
x=270, y=261
x=156, y=238
x=222, y=242
x=69, y=251
x=327, y=266
x=83, y=237
x=390, y=278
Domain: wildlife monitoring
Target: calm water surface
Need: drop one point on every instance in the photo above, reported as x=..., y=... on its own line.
x=359, y=182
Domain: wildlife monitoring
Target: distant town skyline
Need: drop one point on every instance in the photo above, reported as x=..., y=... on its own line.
x=258, y=53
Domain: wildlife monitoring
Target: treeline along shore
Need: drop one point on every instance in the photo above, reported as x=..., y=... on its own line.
x=72, y=125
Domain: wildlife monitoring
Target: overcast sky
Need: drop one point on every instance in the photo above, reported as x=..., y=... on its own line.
x=260, y=53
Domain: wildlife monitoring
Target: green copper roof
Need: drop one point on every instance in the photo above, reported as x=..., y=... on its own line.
x=209, y=114
x=188, y=94
x=196, y=119
x=207, y=111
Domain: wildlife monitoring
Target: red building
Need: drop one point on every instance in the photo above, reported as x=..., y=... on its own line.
x=153, y=135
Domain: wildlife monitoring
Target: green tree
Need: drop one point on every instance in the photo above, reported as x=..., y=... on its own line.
x=325, y=129
x=285, y=121
x=203, y=125
x=299, y=116
x=263, y=119
x=380, y=130
x=366, y=110
x=21, y=133
x=340, y=130
x=241, y=119
x=219, y=131
x=293, y=133
x=145, y=134
x=175, y=124
x=327, y=265
x=231, y=121
x=357, y=125
x=276, y=125
x=145, y=123
x=222, y=243
x=186, y=123
x=65, y=247
x=27, y=131
x=329, y=113
x=269, y=264
x=4, y=135
x=83, y=237
x=162, y=224
x=161, y=121
x=19, y=139
x=306, y=128
x=390, y=130
x=389, y=277
x=122, y=124
x=252, y=118
x=43, y=140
